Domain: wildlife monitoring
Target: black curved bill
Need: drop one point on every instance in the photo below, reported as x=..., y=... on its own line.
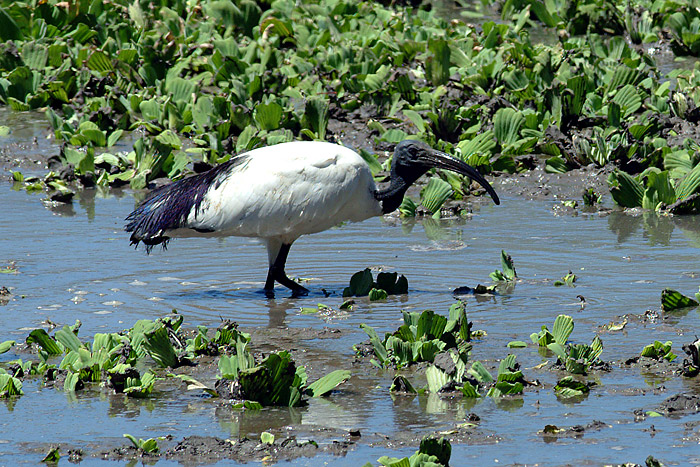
x=441, y=160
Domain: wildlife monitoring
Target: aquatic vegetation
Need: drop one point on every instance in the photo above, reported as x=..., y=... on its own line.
x=52, y=457
x=509, y=381
x=421, y=338
x=508, y=274
x=563, y=327
x=659, y=350
x=6, y=346
x=432, y=452
x=568, y=387
x=149, y=445
x=9, y=385
x=674, y=300
x=388, y=283
x=276, y=380
x=568, y=279
x=576, y=358
x=655, y=189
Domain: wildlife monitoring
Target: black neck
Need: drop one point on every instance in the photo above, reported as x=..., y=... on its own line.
x=391, y=197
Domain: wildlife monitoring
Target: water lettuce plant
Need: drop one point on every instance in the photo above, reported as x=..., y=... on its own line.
x=235, y=76
x=674, y=300
x=421, y=338
x=149, y=445
x=508, y=273
x=576, y=358
x=276, y=380
x=659, y=350
x=388, y=283
x=568, y=388
x=9, y=385
x=568, y=279
x=655, y=189
x=433, y=452
x=477, y=381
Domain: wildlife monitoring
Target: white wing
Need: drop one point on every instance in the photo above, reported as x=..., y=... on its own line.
x=288, y=190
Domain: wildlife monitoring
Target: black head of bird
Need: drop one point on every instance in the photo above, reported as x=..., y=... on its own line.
x=411, y=160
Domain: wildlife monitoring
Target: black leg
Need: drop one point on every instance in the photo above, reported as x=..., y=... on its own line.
x=276, y=273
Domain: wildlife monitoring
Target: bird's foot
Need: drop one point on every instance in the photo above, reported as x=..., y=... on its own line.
x=300, y=292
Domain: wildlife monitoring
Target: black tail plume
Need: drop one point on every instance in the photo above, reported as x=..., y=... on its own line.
x=169, y=207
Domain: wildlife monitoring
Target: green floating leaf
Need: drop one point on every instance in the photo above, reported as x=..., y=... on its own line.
x=563, y=327
x=674, y=300
x=360, y=284
x=377, y=294
x=435, y=194
x=439, y=448
x=6, y=346
x=316, y=116
x=401, y=384
x=659, y=350
x=569, y=387
x=157, y=344
x=267, y=438
x=326, y=384
x=516, y=345
x=52, y=457
x=508, y=273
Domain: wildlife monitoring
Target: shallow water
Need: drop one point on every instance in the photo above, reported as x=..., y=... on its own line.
x=77, y=264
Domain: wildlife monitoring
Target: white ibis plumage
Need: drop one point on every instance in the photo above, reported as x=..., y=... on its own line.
x=279, y=193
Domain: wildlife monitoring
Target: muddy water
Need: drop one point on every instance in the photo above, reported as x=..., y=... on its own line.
x=76, y=263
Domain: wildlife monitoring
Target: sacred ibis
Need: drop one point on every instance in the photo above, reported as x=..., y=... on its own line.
x=279, y=193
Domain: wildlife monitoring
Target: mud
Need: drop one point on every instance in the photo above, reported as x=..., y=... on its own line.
x=209, y=449
x=552, y=433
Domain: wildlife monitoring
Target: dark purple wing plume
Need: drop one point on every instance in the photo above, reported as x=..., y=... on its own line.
x=168, y=207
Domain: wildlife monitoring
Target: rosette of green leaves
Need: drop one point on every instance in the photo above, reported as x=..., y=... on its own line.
x=422, y=337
